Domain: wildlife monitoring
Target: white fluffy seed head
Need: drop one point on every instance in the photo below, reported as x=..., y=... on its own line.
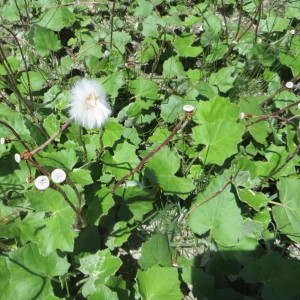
x=42, y=182
x=242, y=116
x=17, y=157
x=293, y=31
x=88, y=104
x=289, y=84
x=188, y=108
x=58, y=175
x=2, y=141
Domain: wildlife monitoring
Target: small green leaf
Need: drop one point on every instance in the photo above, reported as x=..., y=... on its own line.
x=122, y=161
x=172, y=108
x=81, y=176
x=183, y=45
x=143, y=88
x=45, y=41
x=156, y=251
x=161, y=169
x=51, y=124
x=223, y=79
x=173, y=68
x=113, y=133
x=159, y=283
x=254, y=199
x=118, y=236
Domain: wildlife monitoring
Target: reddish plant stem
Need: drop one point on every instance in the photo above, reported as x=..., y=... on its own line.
x=15, y=134
x=195, y=207
x=155, y=150
x=61, y=129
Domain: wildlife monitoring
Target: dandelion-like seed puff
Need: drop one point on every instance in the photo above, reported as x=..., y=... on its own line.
x=88, y=104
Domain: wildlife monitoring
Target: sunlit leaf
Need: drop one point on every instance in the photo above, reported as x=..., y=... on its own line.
x=157, y=283
x=220, y=216
x=287, y=215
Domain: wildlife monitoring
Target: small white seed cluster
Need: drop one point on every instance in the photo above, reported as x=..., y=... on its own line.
x=42, y=182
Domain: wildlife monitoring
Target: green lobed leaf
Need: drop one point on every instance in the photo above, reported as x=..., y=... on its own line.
x=64, y=159
x=254, y=199
x=81, y=176
x=56, y=18
x=99, y=267
x=173, y=68
x=201, y=282
x=113, y=133
x=287, y=215
x=104, y=293
x=161, y=169
x=224, y=79
x=137, y=198
x=219, y=131
x=159, y=283
x=277, y=275
x=26, y=274
x=118, y=235
x=156, y=251
x=56, y=232
x=143, y=88
x=220, y=216
x=122, y=161
x=183, y=45
x=45, y=41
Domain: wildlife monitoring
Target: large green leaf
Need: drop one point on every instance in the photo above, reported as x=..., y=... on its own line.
x=287, y=215
x=279, y=277
x=220, y=216
x=56, y=232
x=26, y=274
x=219, y=131
x=57, y=18
x=45, y=41
x=159, y=283
x=139, y=200
x=156, y=251
x=122, y=161
x=143, y=88
x=184, y=46
x=161, y=169
x=99, y=267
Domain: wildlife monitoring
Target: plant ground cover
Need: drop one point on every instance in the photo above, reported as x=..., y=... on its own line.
x=161, y=202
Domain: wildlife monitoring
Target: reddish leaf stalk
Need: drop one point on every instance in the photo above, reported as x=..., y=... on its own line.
x=186, y=117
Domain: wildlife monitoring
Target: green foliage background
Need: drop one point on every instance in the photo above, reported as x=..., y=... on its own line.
x=214, y=214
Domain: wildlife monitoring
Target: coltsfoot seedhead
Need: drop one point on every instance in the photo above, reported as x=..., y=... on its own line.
x=188, y=108
x=58, y=175
x=242, y=116
x=42, y=182
x=289, y=84
x=17, y=157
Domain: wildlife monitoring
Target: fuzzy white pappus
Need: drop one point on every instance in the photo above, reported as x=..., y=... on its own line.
x=88, y=104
